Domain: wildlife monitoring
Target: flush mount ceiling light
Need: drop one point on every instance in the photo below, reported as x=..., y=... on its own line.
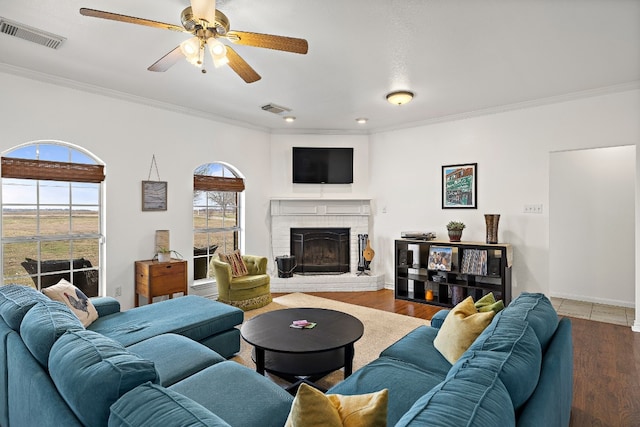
x=400, y=97
x=289, y=119
x=362, y=120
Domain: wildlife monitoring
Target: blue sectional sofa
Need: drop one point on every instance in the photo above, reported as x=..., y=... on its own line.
x=56, y=372
x=519, y=371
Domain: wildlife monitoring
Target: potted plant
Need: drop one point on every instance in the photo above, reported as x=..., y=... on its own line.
x=455, y=230
x=164, y=254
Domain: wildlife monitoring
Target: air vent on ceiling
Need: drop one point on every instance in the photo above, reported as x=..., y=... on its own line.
x=33, y=35
x=275, y=109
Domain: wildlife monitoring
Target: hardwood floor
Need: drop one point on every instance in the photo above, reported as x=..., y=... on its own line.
x=606, y=385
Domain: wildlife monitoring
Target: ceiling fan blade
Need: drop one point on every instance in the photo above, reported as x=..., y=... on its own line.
x=167, y=61
x=204, y=9
x=287, y=44
x=241, y=67
x=130, y=19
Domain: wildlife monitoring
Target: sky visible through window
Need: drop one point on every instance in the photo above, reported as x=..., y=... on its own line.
x=22, y=193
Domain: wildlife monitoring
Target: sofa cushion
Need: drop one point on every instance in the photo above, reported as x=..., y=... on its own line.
x=250, y=282
x=520, y=360
x=406, y=384
x=311, y=407
x=43, y=325
x=472, y=397
x=162, y=350
x=16, y=301
x=75, y=299
x=192, y=316
x=461, y=327
x=536, y=309
x=234, y=259
x=150, y=405
x=417, y=348
x=92, y=371
x=238, y=395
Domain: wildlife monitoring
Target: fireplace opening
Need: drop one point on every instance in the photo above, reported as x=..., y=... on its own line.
x=320, y=250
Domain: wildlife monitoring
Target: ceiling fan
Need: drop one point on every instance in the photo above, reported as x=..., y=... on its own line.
x=208, y=25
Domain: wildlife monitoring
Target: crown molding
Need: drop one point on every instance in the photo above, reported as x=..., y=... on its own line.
x=98, y=90
x=572, y=96
x=72, y=84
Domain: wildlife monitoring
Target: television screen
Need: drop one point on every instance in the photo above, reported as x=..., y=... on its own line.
x=315, y=165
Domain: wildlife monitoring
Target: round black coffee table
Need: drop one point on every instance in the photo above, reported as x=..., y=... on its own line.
x=302, y=355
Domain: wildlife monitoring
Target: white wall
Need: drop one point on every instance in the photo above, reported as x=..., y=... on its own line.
x=592, y=225
x=125, y=135
x=512, y=151
x=399, y=170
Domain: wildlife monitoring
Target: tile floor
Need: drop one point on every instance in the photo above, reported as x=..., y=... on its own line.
x=598, y=312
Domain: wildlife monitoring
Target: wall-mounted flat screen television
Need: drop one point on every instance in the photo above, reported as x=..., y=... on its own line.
x=322, y=165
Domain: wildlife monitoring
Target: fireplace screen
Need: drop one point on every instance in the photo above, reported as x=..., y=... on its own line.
x=320, y=250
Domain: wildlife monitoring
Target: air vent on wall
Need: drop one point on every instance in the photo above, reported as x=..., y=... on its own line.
x=275, y=109
x=33, y=35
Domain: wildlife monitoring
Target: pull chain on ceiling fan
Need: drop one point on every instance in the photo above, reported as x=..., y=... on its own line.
x=208, y=25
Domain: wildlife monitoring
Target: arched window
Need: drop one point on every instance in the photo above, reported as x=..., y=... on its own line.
x=51, y=216
x=217, y=214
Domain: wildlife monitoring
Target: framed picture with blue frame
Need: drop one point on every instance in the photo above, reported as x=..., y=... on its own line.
x=460, y=186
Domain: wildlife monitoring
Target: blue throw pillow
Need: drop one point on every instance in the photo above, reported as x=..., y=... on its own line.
x=43, y=325
x=16, y=301
x=151, y=405
x=92, y=371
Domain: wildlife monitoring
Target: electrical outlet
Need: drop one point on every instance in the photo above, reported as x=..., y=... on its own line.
x=119, y=291
x=534, y=209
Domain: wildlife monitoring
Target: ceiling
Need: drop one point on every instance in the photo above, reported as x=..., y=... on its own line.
x=460, y=57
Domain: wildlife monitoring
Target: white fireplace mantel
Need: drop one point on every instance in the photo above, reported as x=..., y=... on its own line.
x=287, y=213
x=322, y=207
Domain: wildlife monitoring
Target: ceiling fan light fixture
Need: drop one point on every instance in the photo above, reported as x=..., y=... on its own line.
x=218, y=52
x=190, y=47
x=400, y=97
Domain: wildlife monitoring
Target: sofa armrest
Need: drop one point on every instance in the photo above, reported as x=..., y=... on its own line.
x=105, y=305
x=438, y=319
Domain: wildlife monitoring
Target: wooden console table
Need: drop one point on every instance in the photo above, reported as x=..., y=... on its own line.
x=155, y=278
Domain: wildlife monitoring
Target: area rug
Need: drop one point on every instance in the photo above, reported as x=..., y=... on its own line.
x=381, y=329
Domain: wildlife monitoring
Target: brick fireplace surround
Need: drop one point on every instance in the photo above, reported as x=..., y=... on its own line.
x=309, y=213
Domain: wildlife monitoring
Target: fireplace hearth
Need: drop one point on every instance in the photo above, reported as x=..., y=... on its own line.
x=321, y=250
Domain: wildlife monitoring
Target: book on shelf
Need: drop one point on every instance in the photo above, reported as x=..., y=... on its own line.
x=474, y=261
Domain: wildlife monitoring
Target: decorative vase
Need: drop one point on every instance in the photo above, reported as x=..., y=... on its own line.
x=491, y=221
x=455, y=235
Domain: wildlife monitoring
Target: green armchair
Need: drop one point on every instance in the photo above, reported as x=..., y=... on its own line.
x=246, y=292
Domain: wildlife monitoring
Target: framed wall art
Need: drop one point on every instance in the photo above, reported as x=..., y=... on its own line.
x=154, y=195
x=460, y=186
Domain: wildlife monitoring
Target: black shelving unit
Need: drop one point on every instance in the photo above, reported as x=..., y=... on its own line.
x=470, y=268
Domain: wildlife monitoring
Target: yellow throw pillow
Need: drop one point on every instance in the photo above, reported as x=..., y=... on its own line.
x=75, y=299
x=311, y=407
x=460, y=328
